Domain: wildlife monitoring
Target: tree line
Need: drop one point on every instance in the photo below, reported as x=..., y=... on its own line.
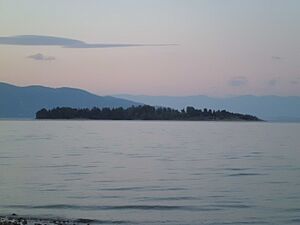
x=142, y=112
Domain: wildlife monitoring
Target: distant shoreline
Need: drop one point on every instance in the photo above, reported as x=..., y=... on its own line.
x=136, y=120
x=143, y=113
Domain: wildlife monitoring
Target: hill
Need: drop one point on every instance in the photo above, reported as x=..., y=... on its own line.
x=271, y=108
x=23, y=102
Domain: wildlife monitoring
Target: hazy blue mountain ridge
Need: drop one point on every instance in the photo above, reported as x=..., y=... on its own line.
x=273, y=108
x=24, y=102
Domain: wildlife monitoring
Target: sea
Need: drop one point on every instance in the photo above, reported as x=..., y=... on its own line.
x=151, y=172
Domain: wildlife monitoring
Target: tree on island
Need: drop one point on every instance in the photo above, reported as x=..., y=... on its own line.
x=142, y=112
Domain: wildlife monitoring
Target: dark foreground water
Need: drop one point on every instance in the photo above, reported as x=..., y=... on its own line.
x=151, y=172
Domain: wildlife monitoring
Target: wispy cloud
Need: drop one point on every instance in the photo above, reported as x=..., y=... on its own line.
x=41, y=57
x=294, y=82
x=275, y=57
x=272, y=82
x=238, y=81
x=38, y=40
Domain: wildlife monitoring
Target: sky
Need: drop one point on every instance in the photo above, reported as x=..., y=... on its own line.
x=153, y=47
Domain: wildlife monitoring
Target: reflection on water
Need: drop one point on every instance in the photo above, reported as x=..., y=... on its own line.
x=135, y=172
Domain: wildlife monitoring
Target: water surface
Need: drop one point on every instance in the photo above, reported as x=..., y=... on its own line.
x=134, y=172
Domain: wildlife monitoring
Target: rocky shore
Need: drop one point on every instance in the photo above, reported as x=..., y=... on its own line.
x=14, y=219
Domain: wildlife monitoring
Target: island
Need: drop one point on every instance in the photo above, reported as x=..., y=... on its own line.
x=143, y=112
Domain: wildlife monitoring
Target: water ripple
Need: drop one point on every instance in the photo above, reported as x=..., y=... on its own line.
x=245, y=174
x=118, y=207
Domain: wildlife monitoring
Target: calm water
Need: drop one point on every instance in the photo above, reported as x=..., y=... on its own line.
x=152, y=172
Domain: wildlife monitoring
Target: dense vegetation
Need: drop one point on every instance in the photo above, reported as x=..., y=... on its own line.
x=143, y=112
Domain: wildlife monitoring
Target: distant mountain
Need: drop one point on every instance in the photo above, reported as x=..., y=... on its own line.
x=271, y=108
x=24, y=102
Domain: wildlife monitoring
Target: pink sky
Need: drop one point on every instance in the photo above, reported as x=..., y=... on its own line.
x=232, y=48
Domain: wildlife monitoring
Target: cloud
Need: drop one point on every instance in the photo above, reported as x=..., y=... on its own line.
x=38, y=40
x=294, y=82
x=272, y=82
x=274, y=57
x=238, y=81
x=40, y=56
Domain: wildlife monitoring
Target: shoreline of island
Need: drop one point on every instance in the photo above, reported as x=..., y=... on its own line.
x=143, y=113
